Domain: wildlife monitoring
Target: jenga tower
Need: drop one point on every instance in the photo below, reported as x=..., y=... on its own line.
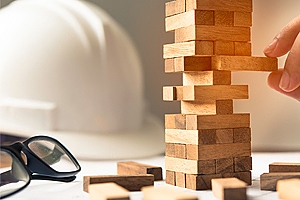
x=207, y=140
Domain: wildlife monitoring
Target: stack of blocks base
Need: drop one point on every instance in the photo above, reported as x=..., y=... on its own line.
x=207, y=140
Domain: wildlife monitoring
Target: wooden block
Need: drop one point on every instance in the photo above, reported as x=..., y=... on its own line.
x=180, y=151
x=170, y=149
x=224, y=165
x=180, y=6
x=135, y=168
x=170, y=8
x=192, y=63
x=200, y=182
x=166, y=193
x=224, y=136
x=243, y=19
x=242, y=135
x=206, y=78
x=268, y=181
x=196, y=137
x=108, y=191
x=190, y=166
x=224, y=18
x=224, y=107
x=175, y=121
x=131, y=183
x=284, y=167
x=233, y=5
x=224, y=47
x=180, y=179
x=169, y=93
x=229, y=189
x=169, y=65
x=193, y=17
x=244, y=176
x=242, y=164
x=289, y=189
x=188, y=49
x=197, y=122
x=217, y=151
x=214, y=92
x=245, y=63
x=242, y=49
x=170, y=177
x=212, y=33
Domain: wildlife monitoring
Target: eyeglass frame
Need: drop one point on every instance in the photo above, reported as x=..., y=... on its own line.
x=36, y=168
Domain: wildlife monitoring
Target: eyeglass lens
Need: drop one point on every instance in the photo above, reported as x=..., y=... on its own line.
x=53, y=155
x=13, y=174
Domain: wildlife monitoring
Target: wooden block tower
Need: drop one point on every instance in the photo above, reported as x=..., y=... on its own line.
x=207, y=140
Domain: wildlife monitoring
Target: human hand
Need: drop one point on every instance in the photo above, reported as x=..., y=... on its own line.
x=286, y=80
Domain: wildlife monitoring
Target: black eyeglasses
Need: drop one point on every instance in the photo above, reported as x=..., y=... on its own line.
x=37, y=158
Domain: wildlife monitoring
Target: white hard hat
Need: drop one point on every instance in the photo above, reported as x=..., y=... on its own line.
x=69, y=71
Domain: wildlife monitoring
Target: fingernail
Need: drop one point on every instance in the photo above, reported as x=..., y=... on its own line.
x=284, y=81
x=270, y=48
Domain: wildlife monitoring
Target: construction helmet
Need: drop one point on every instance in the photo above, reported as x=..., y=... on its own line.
x=68, y=70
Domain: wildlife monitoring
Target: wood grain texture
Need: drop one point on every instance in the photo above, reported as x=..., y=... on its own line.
x=242, y=135
x=229, y=189
x=224, y=165
x=180, y=151
x=166, y=193
x=224, y=47
x=170, y=149
x=224, y=18
x=268, y=181
x=170, y=8
x=220, y=107
x=175, y=121
x=232, y=5
x=244, y=176
x=170, y=177
x=131, y=183
x=196, y=137
x=217, y=151
x=169, y=65
x=242, y=164
x=206, y=78
x=242, y=49
x=135, y=168
x=224, y=136
x=180, y=179
x=242, y=19
x=108, y=191
x=284, y=167
x=200, y=182
x=289, y=189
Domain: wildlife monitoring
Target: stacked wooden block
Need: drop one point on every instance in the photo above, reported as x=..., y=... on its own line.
x=207, y=140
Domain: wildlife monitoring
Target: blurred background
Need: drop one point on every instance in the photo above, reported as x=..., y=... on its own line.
x=275, y=119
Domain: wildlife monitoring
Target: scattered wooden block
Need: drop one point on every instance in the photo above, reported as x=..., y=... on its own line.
x=166, y=193
x=131, y=183
x=288, y=189
x=284, y=167
x=212, y=33
x=242, y=164
x=196, y=137
x=236, y=5
x=108, y=191
x=217, y=151
x=197, y=122
x=206, y=78
x=170, y=177
x=243, y=19
x=224, y=136
x=200, y=182
x=224, y=165
x=268, y=181
x=229, y=189
x=242, y=135
x=135, y=168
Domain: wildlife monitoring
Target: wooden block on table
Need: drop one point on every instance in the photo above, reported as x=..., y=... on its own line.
x=224, y=165
x=243, y=19
x=268, y=181
x=108, y=191
x=188, y=49
x=284, y=167
x=197, y=122
x=242, y=49
x=224, y=47
x=135, y=168
x=229, y=189
x=242, y=135
x=190, y=166
x=289, y=189
x=131, y=183
x=196, y=137
x=180, y=179
x=217, y=151
x=200, y=182
x=212, y=33
x=224, y=136
x=235, y=5
x=206, y=78
x=224, y=18
x=170, y=177
x=166, y=193
x=242, y=164
x=175, y=121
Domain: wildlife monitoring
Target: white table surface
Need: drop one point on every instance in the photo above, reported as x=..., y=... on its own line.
x=48, y=190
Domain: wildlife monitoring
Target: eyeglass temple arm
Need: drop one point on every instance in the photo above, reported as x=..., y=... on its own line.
x=49, y=178
x=7, y=178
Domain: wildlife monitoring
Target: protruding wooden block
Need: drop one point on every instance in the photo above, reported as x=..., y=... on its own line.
x=170, y=177
x=224, y=165
x=188, y=49
x=243, y=19
x=224, y=18
x=196, y=137
x=175, y=121
x=169, y=93
x=180, y=179
x=197, y=122
x=108, y=191
x=200, y=182
x=284, y=167
x=206, y=78
x=131, y=183
x=224, y=136
x=224, y=47
x=242, y=164
x=169, y=65
x=235, y=5
x=212, y=33
x=190, y=166
x=135, y=168
x=268, y=181
x=222, y=107
x=289, y=189
x=217, y=151
x=166, y=193
x=242, y=135
x=242, y=49
x=229, y=189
